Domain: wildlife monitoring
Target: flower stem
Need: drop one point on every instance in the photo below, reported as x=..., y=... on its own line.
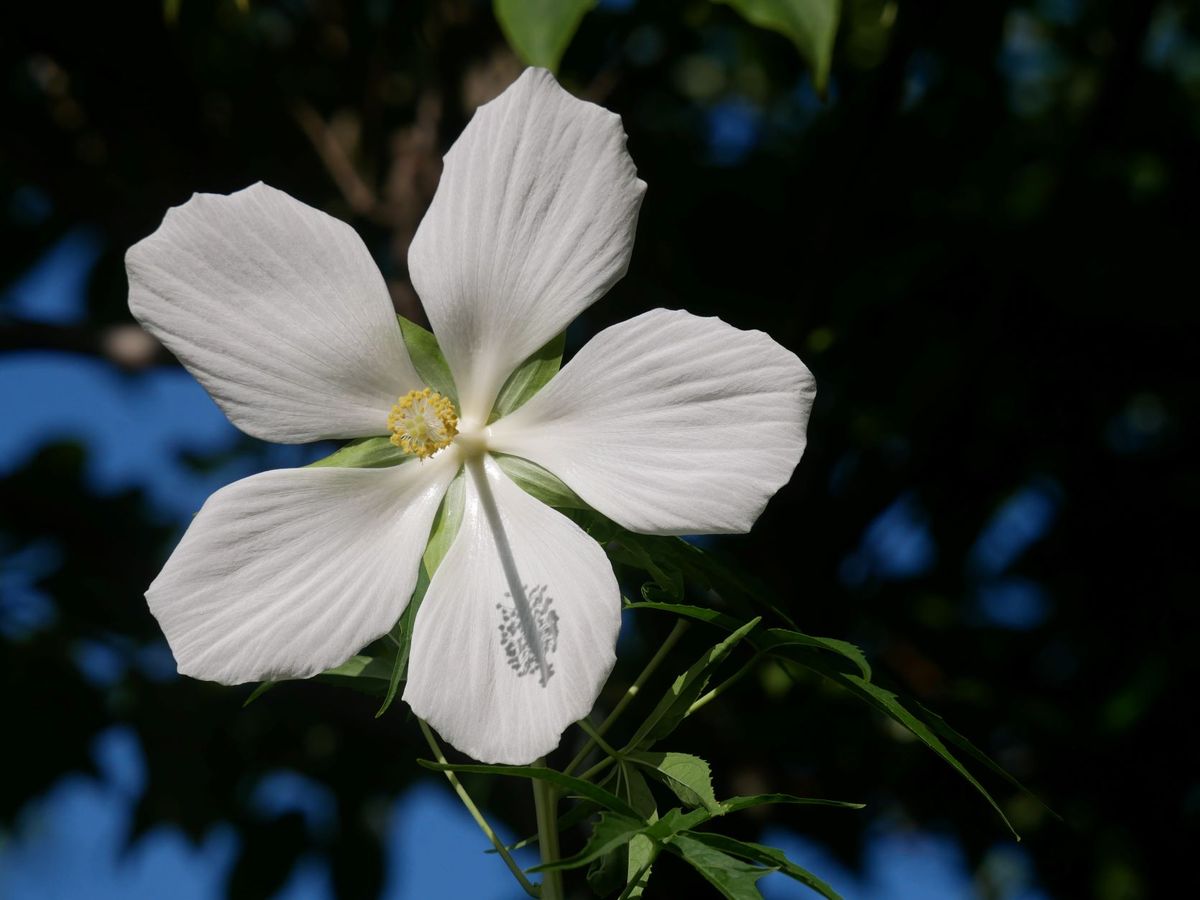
x=545, y=802
x=655, y=662
x=530, y=888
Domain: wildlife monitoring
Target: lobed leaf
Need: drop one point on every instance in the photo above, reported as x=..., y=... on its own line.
x=735, y=879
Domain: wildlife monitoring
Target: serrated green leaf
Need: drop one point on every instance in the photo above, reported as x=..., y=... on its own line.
x=611, y=831
x=538, y=482
x=364, y=453
x=539, y=31
x=673, y=706
x=530, y=377
x=689, y=777
x=735, y=879
x=768, y=856
x=570, y=785
x=809, y=24
x=427, y=358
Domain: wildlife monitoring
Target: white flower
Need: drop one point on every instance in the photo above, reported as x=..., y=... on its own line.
x=667, y=423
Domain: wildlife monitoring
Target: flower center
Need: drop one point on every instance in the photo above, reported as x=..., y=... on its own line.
x=422, y=423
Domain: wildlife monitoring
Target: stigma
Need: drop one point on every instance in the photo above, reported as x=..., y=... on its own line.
x=422, y=423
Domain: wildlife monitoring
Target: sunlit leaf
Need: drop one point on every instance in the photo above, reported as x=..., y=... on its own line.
x=689, y=777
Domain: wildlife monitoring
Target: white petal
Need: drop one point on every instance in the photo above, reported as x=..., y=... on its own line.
x=670, y=423
x=288, y=573
x=540, y=576
x=278, y=310
x=533, y=221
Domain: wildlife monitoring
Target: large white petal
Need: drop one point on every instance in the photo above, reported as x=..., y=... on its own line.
x=521, y=586
x=669, y=423
x=532, y=222
x=288, y=573
x=278, y=310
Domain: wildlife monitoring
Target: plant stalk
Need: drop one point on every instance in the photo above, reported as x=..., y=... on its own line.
x=545, y=802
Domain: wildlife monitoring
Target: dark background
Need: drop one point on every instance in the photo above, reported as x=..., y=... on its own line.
x=983, y=243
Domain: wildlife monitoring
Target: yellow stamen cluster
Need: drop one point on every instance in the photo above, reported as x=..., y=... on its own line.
x=422, y=423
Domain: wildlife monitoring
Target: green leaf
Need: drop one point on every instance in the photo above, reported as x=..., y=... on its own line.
x=427, y=358
x=780, y=641
x=777, y=641
x=735, y=879
x=570, y=785
x=530, y=377
x=369, y=674
x=809, y=24
x=538, y=482
x=641, y=851
x=364, y=453
x=539, y=31
x=888, y=703
x=737, y=804
x=611, y=831
x=672, y=708
x=767, y=856
x=688, y=776
x=258, y=691
x=946, y=732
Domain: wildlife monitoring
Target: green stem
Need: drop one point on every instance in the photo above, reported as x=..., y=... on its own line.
x=723, y=686
x=655, y=662
x=530, y=888
x=595, y=736
x=545, y=802
x=635, y=881
x=597, y=768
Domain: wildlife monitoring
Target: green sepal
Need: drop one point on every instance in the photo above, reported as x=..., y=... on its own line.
x=538, y=482
x=364, y=453
x=529, y=377
x=427, y=359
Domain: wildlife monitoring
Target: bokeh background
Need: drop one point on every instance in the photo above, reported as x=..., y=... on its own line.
x=982, y=240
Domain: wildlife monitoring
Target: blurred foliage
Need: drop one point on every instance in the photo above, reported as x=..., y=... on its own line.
x=983, y=245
